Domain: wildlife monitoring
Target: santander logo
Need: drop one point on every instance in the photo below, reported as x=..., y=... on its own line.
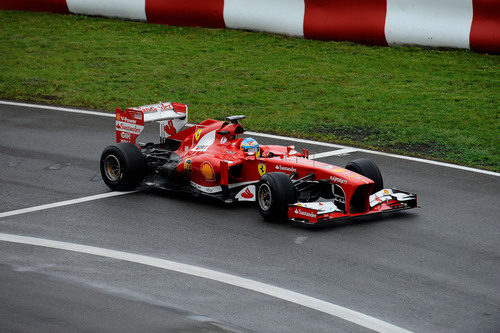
x=169, y=128
x=301, y=212
x=247, y=194
x=284, y=168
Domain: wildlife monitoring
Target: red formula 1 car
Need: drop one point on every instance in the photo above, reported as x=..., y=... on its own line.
x=211, y=159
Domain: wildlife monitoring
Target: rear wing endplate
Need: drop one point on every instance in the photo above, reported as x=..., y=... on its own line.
x=130, y=123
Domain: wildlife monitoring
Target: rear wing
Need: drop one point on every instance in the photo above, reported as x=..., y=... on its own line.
x=130, y=123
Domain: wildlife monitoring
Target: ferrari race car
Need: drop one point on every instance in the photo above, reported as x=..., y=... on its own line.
x=212, y=159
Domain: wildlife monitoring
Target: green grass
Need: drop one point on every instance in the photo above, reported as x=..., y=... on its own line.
x=436, y=104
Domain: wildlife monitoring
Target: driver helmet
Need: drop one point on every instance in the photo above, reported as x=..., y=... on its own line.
x=249, y=145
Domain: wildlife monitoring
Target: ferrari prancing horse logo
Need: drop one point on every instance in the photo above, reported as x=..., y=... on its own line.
x=262, y=169
x=197, y=134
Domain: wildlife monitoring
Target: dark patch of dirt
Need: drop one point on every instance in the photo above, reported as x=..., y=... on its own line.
x=423, y=148
x=347, y=132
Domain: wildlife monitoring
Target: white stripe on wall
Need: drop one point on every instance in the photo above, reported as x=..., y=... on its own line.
x=276, y=16
x=436, y=23
x=127, y=9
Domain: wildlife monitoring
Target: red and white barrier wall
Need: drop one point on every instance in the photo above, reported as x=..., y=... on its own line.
x=473, y=24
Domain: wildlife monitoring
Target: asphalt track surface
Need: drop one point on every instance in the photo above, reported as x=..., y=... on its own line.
x=433, y=269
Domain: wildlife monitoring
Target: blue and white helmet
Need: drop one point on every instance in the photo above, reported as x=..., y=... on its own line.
x=249, y=145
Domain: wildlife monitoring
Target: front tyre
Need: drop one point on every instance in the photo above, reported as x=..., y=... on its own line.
x=123, y=167
x=275, y=192
x=369, y=169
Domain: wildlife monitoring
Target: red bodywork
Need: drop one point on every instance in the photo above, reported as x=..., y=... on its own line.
x=212, y=158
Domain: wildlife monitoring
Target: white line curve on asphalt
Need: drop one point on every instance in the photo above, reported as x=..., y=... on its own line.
x=263, y=288
x=59, y=108
x=333, y=153
x=63, y=203
x=279, y=137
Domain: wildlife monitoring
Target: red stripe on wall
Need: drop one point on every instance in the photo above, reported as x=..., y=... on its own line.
x=354, y=20
x=201, y=13
x=54, y=6
x=485, y=28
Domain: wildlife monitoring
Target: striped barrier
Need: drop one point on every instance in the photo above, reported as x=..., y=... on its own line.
x=485, y=29
x=54, y=6
x=435, y=23
x=470, y=24
x=359, y=21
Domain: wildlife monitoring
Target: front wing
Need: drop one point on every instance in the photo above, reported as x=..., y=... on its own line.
x=386, y=200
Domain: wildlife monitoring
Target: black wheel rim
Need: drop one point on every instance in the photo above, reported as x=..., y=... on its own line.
x=112, y=168
x=264, y=197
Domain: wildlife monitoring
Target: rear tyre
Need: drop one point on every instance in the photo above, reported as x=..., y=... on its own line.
x=275, y=192
x=369, y=169
x=123, y=167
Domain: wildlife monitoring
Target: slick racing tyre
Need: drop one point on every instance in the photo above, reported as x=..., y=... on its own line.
x=275, y=192
x=369, y=169
x=123, y=167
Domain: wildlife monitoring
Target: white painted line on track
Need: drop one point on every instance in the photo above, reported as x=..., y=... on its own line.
x=63, y=203
x=333, y=153
x=263, y=288
x=59, y=108
x=279, y=137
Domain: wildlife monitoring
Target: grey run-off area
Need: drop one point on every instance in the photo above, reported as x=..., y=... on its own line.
x=432, y=269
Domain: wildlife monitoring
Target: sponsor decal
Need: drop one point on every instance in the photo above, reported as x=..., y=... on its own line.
x=125, y=135
x=299, y=211
x=118, y=116
x=207, y=189
x=148, y=109
x=339, y=197
x=136, y=115
x=127, y=120
x=208, y=171
x=223, y=140
x=246, y=194
x=155, y=107
x=187, y=166
x=205, y=142
x=320, y=207
x=170, y=128
x=230, y=152
x=132, y=128
x=284, y=168
x=262, y=169
x=197, y=134
x=338, y=180
x=340, y=170
x=166, y=106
